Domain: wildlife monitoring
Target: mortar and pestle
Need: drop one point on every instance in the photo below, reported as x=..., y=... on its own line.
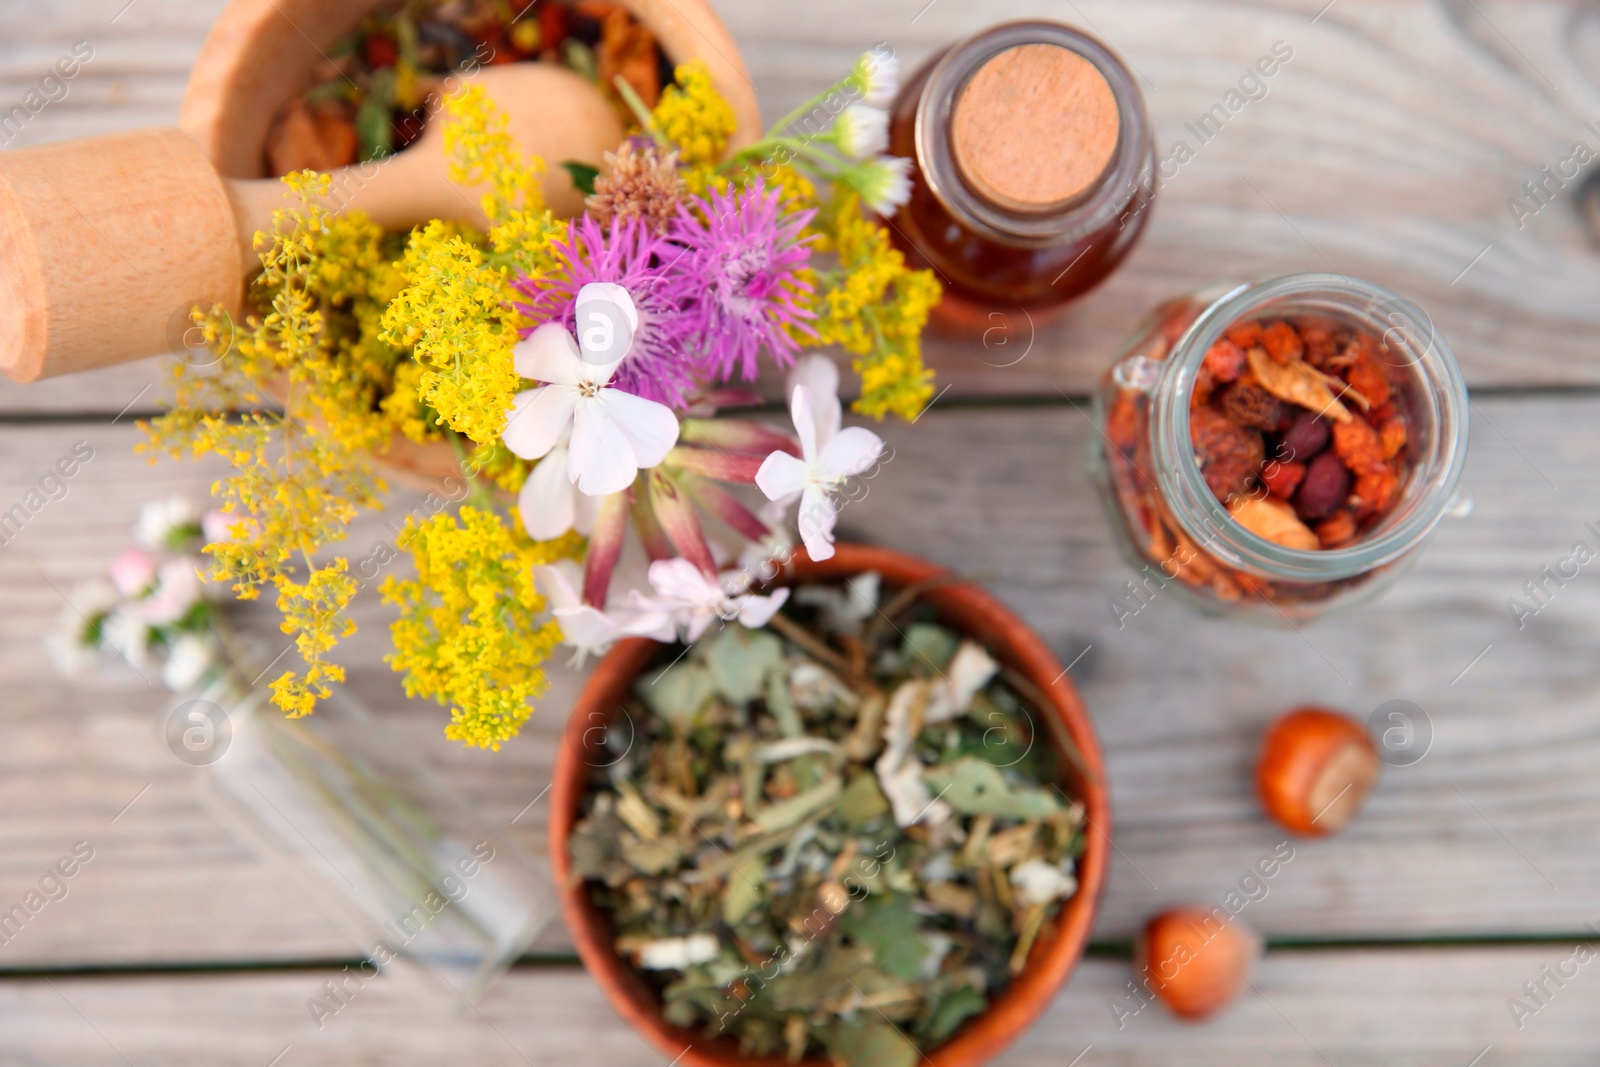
x=106, y=242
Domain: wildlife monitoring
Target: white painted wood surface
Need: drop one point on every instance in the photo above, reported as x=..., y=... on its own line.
x=1389, y=146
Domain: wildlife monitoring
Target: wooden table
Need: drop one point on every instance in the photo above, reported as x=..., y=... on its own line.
x=1387, y=147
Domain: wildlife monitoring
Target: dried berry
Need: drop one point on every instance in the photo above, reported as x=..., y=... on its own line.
x=1338, y=530
x=1374, y=491
x=1322, y=337
x=1247, y=404
x=1125, y=422
x=380, y=51
x=1356, y=442
x=1324, y=487
x=1307, y=435
x=1392, y=436
x=1281, y=479
x=1225, y=360
x=1228, y=455
x=1244, y=334
x=1369, y=379
x=1282, y=342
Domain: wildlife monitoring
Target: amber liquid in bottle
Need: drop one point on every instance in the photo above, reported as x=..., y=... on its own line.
x=1032, y=171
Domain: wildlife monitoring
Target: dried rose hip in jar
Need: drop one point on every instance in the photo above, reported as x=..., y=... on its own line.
x=1280, y=447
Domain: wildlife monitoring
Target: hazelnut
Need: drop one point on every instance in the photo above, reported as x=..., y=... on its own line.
x=1196, y=961
x=1315, y=771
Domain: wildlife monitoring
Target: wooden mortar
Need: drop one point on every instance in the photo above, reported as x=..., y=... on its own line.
x=106, y=242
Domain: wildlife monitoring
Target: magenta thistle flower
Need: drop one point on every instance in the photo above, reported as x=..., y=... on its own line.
x=740, y=279
x=660, y=365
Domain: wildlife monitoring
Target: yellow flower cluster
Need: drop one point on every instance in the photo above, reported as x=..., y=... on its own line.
x=874, y=307
x=454, y=318
x=482, y=152
x=455, y=312
x=302, y=378
x=313, y=615
x=469, y=633
x=692, y=116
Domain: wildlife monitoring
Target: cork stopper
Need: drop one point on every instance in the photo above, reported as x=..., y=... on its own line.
x=1035, y=127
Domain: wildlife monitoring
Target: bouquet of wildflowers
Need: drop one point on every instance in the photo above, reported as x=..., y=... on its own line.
x=152, y=610
x=582, y=371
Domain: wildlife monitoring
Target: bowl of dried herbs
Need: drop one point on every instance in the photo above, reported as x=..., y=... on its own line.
x=872, y=832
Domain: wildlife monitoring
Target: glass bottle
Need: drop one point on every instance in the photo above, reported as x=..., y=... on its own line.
x=1032, y=170
x=1171, y=524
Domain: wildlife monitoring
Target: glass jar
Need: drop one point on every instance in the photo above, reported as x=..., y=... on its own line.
x=1181, y=528
x=1033, y=170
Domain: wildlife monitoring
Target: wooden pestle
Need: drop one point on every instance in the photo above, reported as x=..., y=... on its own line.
x=107, y=243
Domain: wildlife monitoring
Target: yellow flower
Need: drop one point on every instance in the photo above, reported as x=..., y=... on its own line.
x=470, y=632
x=874, y=307
x=693, y=118
x=454, y=318
x=482, y=152
x=305, y=376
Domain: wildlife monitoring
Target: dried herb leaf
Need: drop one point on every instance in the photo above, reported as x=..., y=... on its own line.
x=742, y=892
x=740, y=660
x=874, y=1042
x=787, y=813
x=973, y=787
x=678, y=693
x=950, y=1011
x=891, y=928
x=929, y=647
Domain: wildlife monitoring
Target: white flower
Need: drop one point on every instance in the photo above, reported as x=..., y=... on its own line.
x=877, y=74
x=884, y=183
x=161, y=521
x=127, y=635
x=1038, y=882
x=71, y=641
x=132, y=572
x=191, y=657
x=550, y=504
x=862, y=131
x=695, y=601
x=588, y=630
x=678, y=953
x=177, y=590
x=829, y=455
x=613, y=434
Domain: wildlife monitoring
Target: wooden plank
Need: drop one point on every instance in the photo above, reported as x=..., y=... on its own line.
x=1388, y=147
x=1357, y=1007
x=1494, y=832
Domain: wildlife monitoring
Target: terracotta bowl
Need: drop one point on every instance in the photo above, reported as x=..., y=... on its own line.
x=963, y=607
x=261, y=53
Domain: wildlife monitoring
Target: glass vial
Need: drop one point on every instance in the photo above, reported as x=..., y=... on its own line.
x=1032, y=170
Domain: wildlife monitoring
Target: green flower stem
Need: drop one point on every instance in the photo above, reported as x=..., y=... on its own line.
x=838, y=86
x=640, y=112
x=796, y=145
x=477, y=495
